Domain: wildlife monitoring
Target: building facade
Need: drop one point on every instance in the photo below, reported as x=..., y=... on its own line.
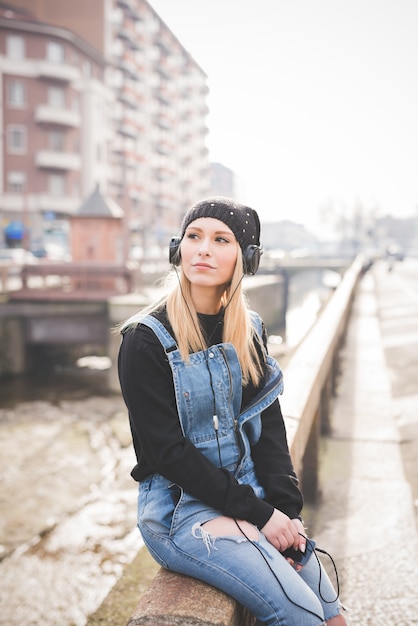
x=99, y=94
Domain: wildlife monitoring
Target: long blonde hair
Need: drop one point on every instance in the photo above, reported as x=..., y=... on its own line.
x=237, y=327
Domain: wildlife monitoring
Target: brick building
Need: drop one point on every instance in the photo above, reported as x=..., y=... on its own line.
x=98, y=94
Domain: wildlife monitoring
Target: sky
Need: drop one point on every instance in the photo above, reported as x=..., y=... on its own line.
x=313, y=103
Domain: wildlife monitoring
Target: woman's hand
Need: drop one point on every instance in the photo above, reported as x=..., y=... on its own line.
x=281, y=531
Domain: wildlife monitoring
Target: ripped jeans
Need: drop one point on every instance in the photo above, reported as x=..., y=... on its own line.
x=252, y=572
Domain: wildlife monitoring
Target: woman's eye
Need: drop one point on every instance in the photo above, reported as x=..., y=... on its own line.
x=216, y=239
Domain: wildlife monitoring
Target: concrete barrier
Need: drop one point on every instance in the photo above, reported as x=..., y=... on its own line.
x=310, y=382
x=176, y=599
x=311, y=377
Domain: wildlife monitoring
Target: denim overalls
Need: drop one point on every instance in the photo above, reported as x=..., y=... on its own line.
x=170, y=520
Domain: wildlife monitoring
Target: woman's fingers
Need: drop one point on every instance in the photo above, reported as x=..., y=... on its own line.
x=280, y=531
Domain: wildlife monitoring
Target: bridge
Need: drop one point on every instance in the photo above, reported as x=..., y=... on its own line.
x=49, y=305
x=99, y=281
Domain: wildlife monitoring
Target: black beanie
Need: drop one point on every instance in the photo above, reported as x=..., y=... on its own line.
x=242, y=220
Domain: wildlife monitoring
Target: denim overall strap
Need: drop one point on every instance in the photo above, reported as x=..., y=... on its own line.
x=208, y=384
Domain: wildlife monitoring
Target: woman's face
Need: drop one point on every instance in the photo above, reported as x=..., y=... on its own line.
x=209, y=253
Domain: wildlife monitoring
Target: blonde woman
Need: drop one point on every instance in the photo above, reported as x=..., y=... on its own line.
x=218, y=495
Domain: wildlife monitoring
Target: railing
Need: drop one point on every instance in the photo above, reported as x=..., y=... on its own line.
x=67, y=281
x=310, y=381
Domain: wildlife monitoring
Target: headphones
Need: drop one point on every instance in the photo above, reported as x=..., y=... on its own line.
x=250, y=258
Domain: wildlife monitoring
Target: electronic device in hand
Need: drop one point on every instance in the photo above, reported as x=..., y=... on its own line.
x=297, y=555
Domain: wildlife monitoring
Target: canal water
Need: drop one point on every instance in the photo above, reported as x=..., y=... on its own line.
x=68, y=523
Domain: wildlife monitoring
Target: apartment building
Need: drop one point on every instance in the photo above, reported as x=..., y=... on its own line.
x=99, y=94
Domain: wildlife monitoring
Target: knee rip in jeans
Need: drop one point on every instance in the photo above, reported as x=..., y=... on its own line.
x=224, y=527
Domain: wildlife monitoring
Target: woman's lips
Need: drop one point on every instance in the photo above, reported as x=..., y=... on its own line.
x=203, y=265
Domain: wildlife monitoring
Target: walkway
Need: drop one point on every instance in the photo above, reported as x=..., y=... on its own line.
x=366, y=516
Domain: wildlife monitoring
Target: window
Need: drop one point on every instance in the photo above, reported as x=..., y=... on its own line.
x=16, y=182
x=16, y=139
x=56, y=184
x=16, y=94
x=55, y=52
x=15, y=47
x=56, y=140
x=56, y=97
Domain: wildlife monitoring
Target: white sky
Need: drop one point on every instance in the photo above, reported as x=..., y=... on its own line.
x=312, y=102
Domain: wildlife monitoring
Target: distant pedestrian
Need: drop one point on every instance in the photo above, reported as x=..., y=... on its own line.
x=218, y=495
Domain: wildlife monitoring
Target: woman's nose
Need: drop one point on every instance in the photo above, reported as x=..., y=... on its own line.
x=204, y=247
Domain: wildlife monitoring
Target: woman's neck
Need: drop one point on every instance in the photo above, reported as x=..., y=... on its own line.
x=207, y=301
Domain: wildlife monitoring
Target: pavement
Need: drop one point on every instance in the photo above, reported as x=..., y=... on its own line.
x=366, y=517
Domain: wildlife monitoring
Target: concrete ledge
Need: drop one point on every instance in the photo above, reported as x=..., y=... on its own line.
x=311, y=372
x=173, y=599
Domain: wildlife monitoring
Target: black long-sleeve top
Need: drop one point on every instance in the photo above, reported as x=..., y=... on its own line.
x=148, y=390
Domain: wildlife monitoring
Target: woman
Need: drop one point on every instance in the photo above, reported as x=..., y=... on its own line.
x=218, y=496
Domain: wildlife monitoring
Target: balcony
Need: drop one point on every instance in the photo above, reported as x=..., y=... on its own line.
x=45, y=114
x=128, y=131
x=130, y=38
x=51, y=159
x=128, y=98
x=58, y=71
x=127, y=4
x=129, y=68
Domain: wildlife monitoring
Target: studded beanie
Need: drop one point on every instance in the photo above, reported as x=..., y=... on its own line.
x=242, y=220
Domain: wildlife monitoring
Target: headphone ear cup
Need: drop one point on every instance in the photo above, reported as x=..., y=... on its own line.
x=174, y=250
x=252, y=257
